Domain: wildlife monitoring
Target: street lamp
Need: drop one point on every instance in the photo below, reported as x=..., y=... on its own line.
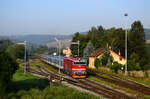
x=126, y=56
x=25, y=50
x=59, y=45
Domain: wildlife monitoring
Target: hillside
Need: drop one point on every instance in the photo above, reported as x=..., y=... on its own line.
x=37, y=39
x=49, y=39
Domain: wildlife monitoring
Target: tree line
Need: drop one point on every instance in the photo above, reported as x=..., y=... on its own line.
x=9, y=53
x=8, y=66
x=138, y=55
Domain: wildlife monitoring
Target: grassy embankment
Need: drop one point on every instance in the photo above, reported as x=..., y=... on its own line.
x=31, y=87
x=143, y=80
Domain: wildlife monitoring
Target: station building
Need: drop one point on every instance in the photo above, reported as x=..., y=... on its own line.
x=99, y=52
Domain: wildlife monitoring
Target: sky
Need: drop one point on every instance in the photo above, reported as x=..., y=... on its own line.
x=66, y=17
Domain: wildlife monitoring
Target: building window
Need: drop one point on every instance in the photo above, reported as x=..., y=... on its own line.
x=120, y=59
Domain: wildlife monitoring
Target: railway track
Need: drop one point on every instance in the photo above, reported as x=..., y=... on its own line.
x=86, y=84
x=121, y=82
x=101, y=89
x=82, y=83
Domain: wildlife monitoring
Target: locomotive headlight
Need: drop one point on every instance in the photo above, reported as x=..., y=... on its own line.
x=75, y=72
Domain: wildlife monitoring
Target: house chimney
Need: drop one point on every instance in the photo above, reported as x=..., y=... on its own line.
x=119, y=53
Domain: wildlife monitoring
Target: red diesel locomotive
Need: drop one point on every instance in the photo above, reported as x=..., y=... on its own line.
x=75, y=67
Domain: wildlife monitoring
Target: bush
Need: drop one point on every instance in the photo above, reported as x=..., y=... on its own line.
x=53, y=92
x=116, y=66
x=97, y=62
x=145, y=63
x=145, y=68
x=133, y=66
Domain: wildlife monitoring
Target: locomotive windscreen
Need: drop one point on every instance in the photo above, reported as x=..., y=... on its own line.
x=79, y=63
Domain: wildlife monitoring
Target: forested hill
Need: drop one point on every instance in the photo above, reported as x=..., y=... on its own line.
x=37, y=39
x=44, y=39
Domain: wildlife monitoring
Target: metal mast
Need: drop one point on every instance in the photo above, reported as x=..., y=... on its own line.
x=126, y=45
x=25, y=57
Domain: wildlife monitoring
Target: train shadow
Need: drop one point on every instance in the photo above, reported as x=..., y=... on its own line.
x=27, y=85
x=90, y=74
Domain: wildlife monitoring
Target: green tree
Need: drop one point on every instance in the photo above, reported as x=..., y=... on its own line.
x=95, y=34
x=137, y=42
x=83, y=43
x=16, y=51
x=5, y=43
x=106, y=58
x=74, y=47
x=114, y=38
x=8, y=66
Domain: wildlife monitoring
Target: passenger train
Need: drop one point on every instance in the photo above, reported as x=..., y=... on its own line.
x=73, y=66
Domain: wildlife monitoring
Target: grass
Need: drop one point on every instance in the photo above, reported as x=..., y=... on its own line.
x=38, y=62
x=145, y=80
x=19, y=75
x=31, y=87
x=146, y=97
x=53, y=92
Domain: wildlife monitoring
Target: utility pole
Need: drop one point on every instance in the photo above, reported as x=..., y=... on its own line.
x=25, y=57
x=126, y=45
